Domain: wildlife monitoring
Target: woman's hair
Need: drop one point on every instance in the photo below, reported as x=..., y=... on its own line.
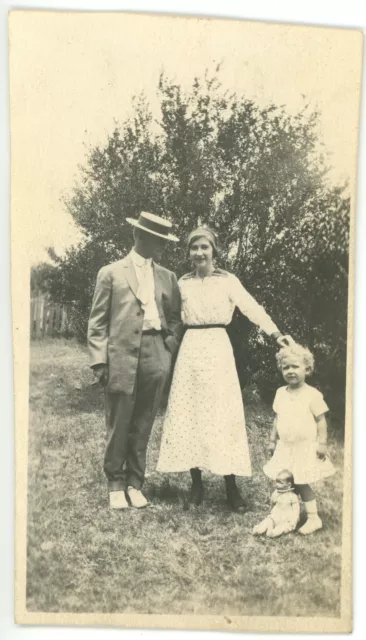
x=204, y=232
x=298, y=351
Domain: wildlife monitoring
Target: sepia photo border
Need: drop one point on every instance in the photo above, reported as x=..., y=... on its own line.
x=20, y=239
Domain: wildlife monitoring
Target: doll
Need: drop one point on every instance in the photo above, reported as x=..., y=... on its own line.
x=285, y=512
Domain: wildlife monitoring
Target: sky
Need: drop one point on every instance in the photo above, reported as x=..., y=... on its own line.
x=74, y=74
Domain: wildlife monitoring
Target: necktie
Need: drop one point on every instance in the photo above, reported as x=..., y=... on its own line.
x=143, y=292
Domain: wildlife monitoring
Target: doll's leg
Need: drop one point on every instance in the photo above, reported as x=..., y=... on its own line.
x=266, y=525
x=280, y=529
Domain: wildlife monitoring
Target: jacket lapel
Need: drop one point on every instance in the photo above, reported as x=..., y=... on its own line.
x=131, y=275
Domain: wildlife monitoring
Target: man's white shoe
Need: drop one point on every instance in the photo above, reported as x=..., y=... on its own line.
x=117, y=500
x=137, y=499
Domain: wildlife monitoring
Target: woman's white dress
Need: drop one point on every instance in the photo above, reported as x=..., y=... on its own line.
x=204, y=425
x=298, y=436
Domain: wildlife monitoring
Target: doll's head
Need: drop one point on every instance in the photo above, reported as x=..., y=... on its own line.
x=295, y=363
x=284, y=481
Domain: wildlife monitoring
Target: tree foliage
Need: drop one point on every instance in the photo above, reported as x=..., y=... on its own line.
x=257, y=175
x=42, y=278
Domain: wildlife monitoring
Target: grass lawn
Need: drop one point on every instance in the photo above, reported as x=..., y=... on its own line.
x=169, y=558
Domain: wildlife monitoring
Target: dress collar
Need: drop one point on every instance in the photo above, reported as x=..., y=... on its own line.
x=216, y=272
x=282, y=491
x=138, y=260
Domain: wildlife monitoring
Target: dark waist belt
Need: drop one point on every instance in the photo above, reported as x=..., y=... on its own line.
x=205, y=326
x=151, y=332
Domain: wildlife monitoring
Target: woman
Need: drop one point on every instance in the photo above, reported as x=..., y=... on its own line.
x=204, y=426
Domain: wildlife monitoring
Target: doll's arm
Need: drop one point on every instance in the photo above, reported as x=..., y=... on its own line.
x=322, y=428
x=295, y=512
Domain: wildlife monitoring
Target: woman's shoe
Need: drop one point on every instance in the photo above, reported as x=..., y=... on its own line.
x=237, y=503
x=196, y=495
x=234, y=497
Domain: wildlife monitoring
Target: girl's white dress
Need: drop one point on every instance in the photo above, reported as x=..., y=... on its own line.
x=297, y=431
x=204, y=424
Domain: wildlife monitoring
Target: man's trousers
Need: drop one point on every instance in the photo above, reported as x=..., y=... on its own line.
x=129, y=418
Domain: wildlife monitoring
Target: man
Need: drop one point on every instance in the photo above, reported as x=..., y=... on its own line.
x=134, y=331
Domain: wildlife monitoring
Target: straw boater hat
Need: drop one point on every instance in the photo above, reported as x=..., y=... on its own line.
x=154, y=224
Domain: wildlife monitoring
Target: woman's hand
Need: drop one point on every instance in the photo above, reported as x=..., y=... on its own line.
x=285, y=341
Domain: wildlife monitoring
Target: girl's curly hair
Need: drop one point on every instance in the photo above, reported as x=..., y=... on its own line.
x=298, y=351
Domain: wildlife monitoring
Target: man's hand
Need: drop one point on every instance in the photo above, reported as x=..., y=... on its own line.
x=101, y=373
x=321, y=451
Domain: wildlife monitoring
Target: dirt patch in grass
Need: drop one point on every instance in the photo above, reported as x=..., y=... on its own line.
x=169, y=558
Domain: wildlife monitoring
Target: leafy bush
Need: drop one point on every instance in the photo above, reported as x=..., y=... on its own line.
x=258, y=176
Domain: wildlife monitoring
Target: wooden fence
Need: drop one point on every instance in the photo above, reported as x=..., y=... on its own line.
x=47, y=318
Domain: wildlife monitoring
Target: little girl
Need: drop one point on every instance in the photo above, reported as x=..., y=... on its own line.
x=298, y=440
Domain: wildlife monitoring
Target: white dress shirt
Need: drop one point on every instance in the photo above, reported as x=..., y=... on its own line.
x=146, y=291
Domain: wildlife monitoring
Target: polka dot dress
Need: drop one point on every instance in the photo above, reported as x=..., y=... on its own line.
x=204, y=424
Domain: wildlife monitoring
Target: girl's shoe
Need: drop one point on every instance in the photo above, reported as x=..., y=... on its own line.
x=312, y=524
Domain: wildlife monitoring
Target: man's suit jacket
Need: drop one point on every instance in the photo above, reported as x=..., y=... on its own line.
x=116, y=320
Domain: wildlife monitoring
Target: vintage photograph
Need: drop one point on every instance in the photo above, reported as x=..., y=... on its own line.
x=183, y=198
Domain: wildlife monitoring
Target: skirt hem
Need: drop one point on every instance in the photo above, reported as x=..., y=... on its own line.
x=309, y=480
x=207, y=469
